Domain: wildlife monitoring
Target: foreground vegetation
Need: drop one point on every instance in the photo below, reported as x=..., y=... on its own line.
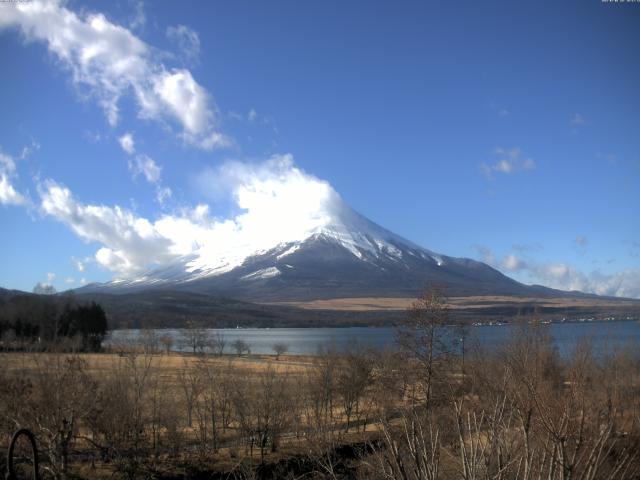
x=421, y=412
x=51, y=322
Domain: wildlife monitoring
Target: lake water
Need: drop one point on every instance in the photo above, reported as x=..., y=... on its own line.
x=603, y=335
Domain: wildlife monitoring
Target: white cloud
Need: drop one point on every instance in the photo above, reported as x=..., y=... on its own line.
x=132, y=242
x=252, y=115
x=139, y=19
x=144, y=165
x=512, y=153
x=188, y=41
x=486, y=254
x=508, y=161
x=79, y=264
x=44, y=289
x=216, y=140
x=503, y=112
x=577, y=119
x=566, y=277
x=185, y=98
x=163, y=194
x=107, y=61
x=7, y=163
x=504, y=166
x=8, y=194
x=28, y=150
x=93, y=136
x=127, y=143
x=620, y=284
x=278, y=202
x=512, y=262
x=69, y=280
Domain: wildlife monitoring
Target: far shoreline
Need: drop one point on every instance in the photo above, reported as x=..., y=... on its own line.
x=346, y=326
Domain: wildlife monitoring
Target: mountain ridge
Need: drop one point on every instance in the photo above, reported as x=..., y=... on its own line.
x=344, y=254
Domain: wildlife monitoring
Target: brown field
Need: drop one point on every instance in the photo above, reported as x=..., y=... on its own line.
x=363, y=304
x=172, y=377
x=359, y=414
x=168, y=366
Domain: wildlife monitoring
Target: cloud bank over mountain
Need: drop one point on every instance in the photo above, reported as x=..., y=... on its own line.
x=278, y=202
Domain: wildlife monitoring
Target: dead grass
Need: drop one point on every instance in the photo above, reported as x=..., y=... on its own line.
x=361, y=304
x=101, y=364
x=167, y=369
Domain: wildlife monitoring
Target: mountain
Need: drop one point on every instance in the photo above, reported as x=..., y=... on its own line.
x=340, y=254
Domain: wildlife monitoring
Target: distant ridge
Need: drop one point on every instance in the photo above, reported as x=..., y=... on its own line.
x=346, y=255
x=174, y=309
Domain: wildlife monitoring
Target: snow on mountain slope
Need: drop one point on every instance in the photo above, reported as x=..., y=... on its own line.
x=340, y=253
x=363, y=239
x=339, y=223
x=291, y=237
x=295, y=238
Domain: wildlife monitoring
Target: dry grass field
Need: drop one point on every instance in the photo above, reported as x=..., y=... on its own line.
x=168, y=366
x=178, y=397
x=357, y=414
x=459, y=303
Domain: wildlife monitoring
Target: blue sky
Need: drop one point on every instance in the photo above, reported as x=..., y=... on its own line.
x=503, y=131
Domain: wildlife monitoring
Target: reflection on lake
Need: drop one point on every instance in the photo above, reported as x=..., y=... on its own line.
x=603, y=335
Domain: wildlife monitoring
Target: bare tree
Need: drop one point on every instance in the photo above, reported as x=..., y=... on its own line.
x=320, y=386
x=190, y=385
x=354, y=376
x=166, y=341
x=280, y=348
x=62, y=396
x=263, y=409
x=391, y=380
x=149, y=341
x=424, y=338
x=410, y=453
x=155, y=405
x=194, y=338
x=224, y=391
x=119, y=424
x=240, y=346
x=218, y=344
x=565, y=418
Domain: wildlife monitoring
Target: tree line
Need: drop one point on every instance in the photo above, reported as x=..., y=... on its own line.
x=58, y=322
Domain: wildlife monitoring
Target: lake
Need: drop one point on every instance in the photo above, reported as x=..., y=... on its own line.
x=603, y=335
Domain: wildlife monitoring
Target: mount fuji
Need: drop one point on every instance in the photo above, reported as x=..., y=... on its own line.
x=335, y=253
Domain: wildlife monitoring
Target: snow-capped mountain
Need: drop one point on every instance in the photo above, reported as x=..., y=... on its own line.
x=340, y=254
